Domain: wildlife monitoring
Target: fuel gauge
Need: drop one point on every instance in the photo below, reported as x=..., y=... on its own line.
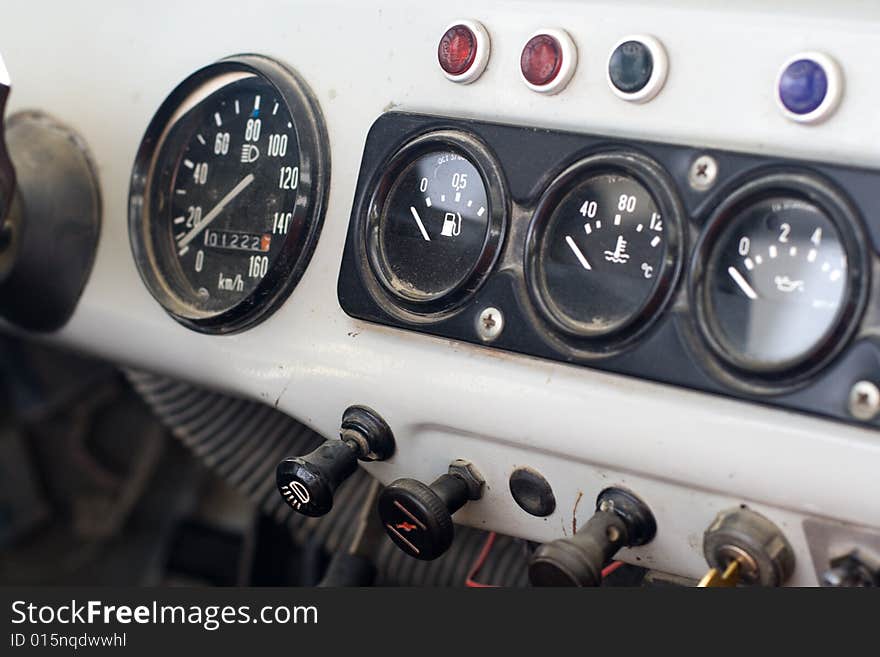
x=435, y=221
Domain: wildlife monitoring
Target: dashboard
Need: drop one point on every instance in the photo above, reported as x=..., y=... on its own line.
x=536, y=252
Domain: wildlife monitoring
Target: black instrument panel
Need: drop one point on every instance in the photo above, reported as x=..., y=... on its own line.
x=600, y=252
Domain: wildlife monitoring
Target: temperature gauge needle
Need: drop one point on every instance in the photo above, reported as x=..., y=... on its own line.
x=578, y=252
x=742, y=282
x=226, y=200
x=418, y=219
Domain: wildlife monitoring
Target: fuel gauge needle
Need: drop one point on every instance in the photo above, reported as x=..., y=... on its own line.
x=418, y=219
x=742, y=282
x=217, y=209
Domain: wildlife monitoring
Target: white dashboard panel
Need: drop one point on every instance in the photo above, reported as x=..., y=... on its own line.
x=104, y=68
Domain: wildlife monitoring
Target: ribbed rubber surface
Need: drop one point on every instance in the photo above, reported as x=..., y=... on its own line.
x=242, y=441
x=507, y=564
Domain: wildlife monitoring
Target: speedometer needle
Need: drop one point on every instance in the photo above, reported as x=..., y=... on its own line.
x=217, y=209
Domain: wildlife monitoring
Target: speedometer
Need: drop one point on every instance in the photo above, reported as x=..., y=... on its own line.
x=228, y=193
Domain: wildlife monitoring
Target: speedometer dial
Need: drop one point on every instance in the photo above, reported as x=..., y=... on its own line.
x=228, y=193
x=238, y=170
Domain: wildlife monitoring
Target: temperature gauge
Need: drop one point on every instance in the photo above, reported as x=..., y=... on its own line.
x=435, y=222
x=781, y=278
x=603, y=246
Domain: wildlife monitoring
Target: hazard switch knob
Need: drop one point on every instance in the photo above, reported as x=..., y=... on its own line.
x=418, y=517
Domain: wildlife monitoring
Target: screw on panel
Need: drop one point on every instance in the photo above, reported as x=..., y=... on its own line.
x=703, y=172
x=490, y=323
x=864, y=400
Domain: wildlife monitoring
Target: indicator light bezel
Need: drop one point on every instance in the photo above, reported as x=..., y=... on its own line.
x=481, y=54
x=659, y=72
x=833, y=92
x=568, y=61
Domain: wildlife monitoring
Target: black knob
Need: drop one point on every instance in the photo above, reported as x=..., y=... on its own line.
x=308, y=483
x=418, y=517
x=621, y=520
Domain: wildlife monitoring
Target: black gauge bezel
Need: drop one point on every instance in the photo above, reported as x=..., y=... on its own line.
x=311, y=196
x=670, y=350
x=414, y=307
x=650, y=175
x=741, y=372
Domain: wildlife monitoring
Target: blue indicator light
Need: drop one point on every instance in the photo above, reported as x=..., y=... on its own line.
x=803, y=86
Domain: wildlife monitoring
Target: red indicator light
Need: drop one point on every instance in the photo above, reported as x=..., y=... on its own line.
x=265, y=242
x=457, y=50
x=541, y=60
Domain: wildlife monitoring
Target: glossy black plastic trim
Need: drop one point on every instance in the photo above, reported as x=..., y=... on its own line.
x=668, y=348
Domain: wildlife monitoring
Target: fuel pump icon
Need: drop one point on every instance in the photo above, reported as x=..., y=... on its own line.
x=451, y=225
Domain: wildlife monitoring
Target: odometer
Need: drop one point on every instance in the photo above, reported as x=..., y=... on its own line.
x=228, y=193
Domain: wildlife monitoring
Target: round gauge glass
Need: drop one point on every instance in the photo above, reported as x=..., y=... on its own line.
x=602, y=249
x=228, y=193
x=435, y=223
x=776, y=283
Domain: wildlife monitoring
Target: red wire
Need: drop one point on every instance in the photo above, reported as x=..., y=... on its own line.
x=610, y=568
x=470, y=582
